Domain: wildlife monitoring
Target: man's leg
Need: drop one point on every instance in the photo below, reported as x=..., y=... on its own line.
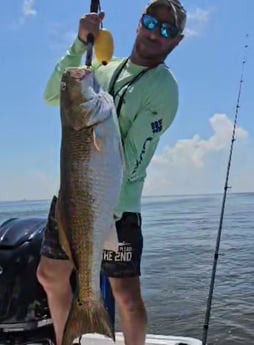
x=123, y=271
x=53, y=273
x=131, y=309
x=54, y=276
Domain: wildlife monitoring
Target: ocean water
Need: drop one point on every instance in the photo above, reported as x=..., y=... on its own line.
x=180, y=235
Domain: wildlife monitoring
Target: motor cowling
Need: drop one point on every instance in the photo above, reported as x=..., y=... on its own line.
x=23, y=302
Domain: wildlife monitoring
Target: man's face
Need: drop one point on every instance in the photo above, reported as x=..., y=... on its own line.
x=150, y=44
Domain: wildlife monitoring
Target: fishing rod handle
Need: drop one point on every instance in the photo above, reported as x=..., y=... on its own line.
x=89, y=52
x=90, y=38
x=94, y=5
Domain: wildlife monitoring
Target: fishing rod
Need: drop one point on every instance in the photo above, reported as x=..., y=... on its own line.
x=226, y=187
x=94, y=7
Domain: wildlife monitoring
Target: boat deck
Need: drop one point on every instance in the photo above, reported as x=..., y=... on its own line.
x=96, y=339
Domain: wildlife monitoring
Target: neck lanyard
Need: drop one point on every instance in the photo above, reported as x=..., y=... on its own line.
x=126, y=85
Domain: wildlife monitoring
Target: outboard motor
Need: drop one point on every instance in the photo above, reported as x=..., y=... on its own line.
x=24, y=313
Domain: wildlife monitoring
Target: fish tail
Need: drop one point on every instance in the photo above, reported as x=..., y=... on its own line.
x=87, y=317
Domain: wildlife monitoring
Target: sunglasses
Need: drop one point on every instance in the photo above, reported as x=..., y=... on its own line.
x=166, y=30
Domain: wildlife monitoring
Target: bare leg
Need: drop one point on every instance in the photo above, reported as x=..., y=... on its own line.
x=131, y=307
x=54, y=276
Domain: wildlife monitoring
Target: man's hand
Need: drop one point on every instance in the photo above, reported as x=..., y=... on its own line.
x=89, y=23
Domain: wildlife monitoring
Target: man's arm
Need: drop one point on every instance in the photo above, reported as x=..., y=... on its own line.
x=145, y=132
x=88, y=23
x=72, y=58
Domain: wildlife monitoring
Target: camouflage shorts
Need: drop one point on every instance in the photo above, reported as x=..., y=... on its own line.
x=123, y=263
x=51, y=247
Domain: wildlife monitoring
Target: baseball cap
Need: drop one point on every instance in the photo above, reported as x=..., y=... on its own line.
x=177, y=8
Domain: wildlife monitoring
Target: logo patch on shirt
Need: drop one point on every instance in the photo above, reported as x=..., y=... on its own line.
x=157, y=126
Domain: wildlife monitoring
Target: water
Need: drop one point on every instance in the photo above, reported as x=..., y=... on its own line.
x=180, y=235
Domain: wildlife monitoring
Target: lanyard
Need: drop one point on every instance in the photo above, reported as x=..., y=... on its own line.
x=126, y=85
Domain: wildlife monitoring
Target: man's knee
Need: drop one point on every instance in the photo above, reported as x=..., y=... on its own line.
x=127, y=293
x=52, y=273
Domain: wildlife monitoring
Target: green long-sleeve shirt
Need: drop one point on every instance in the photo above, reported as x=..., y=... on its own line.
x=148, y=109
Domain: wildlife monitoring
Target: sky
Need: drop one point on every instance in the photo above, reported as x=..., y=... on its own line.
x=192, y=155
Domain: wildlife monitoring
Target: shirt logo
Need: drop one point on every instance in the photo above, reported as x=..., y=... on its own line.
x=157, y=126
x=140, y=160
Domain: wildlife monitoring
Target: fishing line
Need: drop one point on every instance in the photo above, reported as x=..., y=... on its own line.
x=226, y=187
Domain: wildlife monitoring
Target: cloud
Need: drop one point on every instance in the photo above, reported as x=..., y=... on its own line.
x=198, y=165
x=196, y=22
x=192, y=166
x=28, y=9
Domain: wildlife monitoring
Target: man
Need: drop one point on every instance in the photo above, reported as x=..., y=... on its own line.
x=146, y=99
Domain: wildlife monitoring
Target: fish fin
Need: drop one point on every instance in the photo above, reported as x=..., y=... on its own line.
x=87, y=317
x=61, y=232
x=98, y=142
